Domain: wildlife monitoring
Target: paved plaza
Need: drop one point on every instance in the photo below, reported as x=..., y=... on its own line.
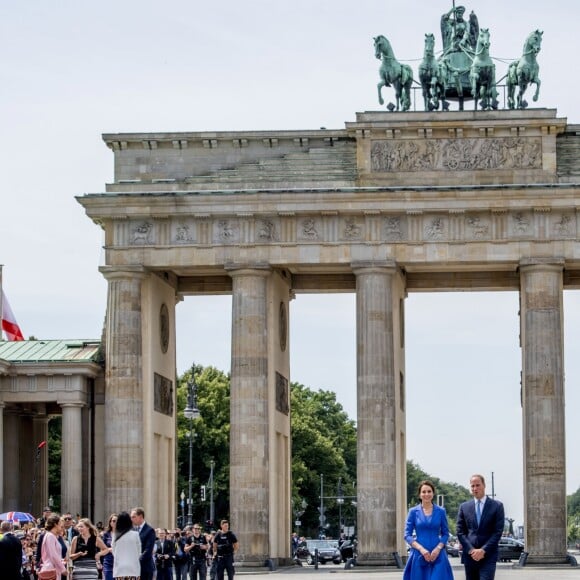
x=505, y=571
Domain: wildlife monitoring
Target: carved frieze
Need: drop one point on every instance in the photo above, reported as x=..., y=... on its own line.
x=267, y=231
x=351, y=230
x=141, y=234
x=412, y=226
x=226, y=231
x=456, y=154
x=308, y=230
x=183, y=234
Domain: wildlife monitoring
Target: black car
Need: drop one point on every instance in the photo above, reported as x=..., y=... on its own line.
x=327, y=551
x=510, y=549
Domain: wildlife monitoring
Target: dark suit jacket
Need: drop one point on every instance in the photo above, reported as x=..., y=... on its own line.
x=147, y=537
x=10, y=557
x=487, y=534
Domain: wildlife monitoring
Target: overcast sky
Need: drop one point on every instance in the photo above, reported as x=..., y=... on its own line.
x=72, y=70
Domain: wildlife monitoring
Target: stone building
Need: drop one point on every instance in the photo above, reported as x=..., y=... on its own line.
x=391, y=204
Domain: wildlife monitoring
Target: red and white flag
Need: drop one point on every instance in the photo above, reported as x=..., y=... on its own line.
x=9, y=324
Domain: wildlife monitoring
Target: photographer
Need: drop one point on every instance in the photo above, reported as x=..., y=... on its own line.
x=164, y=553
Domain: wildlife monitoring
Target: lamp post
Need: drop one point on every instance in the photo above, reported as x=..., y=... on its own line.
x=191, y=412
x=340, y=501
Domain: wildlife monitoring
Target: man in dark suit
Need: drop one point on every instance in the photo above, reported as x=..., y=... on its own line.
x=480, y=524
x=147, y=536
x=10, y=553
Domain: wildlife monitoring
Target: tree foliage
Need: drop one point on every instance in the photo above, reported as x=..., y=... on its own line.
x=323, y=444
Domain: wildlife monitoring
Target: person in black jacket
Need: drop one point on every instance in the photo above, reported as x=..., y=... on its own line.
x=10, y=553
x=225, y=545
x=164, y=554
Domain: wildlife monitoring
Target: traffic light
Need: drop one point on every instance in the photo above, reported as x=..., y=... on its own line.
x=203, y=493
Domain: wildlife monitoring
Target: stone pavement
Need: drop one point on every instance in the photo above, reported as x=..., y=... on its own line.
x=505, y=571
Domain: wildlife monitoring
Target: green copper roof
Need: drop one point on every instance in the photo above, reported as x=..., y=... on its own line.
x=26, y=351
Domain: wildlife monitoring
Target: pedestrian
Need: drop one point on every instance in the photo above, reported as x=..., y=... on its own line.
x=126, y=549
x=164, y=553
x=11, y=553
x=182, y=560
x=51, y=551
x=107, y=536
x=84, y=550
x=197, y=549
x=147, y=537
x=427, y=532
x=480, y=524
x=225, y=545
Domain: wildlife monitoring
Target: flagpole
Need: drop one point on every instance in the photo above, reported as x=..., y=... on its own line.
x=1, y=304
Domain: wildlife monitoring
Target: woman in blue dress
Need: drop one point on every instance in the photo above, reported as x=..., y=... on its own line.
x=426, y=531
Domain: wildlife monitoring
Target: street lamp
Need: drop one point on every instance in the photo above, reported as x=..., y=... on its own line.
x=340, y=501
x=191, y=412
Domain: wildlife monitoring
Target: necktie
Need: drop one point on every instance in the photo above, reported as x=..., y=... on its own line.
x=478, y=511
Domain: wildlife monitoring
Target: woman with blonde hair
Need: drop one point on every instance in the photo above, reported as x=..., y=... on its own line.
x=84, y=550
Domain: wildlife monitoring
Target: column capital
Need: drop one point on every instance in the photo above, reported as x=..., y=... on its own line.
x=548, y=263
x=69, y=404
x=248, y=269
x=376, y=266
x=123, y=272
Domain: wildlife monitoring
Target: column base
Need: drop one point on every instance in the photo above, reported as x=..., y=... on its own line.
x=373, y=560
x=542, y=560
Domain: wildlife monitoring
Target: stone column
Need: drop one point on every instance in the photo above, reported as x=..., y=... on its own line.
x=124, y=473
x=12, y=482
x=378, y=462
x=71, y=486
x=40, y=434
x=543, y=411
x=249, y=453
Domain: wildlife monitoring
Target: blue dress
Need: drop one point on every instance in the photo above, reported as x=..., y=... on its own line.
x=429, y=531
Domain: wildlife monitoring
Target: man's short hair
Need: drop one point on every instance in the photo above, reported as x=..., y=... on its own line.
x=139, y=511
x=6, y=526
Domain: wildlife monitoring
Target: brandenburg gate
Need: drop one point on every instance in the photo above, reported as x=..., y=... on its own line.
x=392, y=203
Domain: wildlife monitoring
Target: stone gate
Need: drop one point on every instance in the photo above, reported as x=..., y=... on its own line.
x=391, y=204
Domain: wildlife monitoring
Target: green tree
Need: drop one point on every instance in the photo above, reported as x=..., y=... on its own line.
x=54, y=454
x=211, y=436
x=323, y=443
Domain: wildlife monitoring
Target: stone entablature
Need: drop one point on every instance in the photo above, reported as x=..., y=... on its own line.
x=479, y=148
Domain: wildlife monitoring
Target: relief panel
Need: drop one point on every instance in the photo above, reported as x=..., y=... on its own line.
x=456, y=154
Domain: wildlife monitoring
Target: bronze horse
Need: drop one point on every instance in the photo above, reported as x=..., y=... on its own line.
x=393, y=73
x=524, y=71
x=482, y=73
x=430, y=76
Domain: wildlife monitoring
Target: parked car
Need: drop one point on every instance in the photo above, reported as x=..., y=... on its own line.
x=453, y=549
x=347, y=550
x=327, y=551
x=510, y=549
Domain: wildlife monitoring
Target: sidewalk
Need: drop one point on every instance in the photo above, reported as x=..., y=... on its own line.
x=505, y=571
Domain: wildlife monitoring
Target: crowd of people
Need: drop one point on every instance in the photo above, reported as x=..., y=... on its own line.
x=59, y=547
